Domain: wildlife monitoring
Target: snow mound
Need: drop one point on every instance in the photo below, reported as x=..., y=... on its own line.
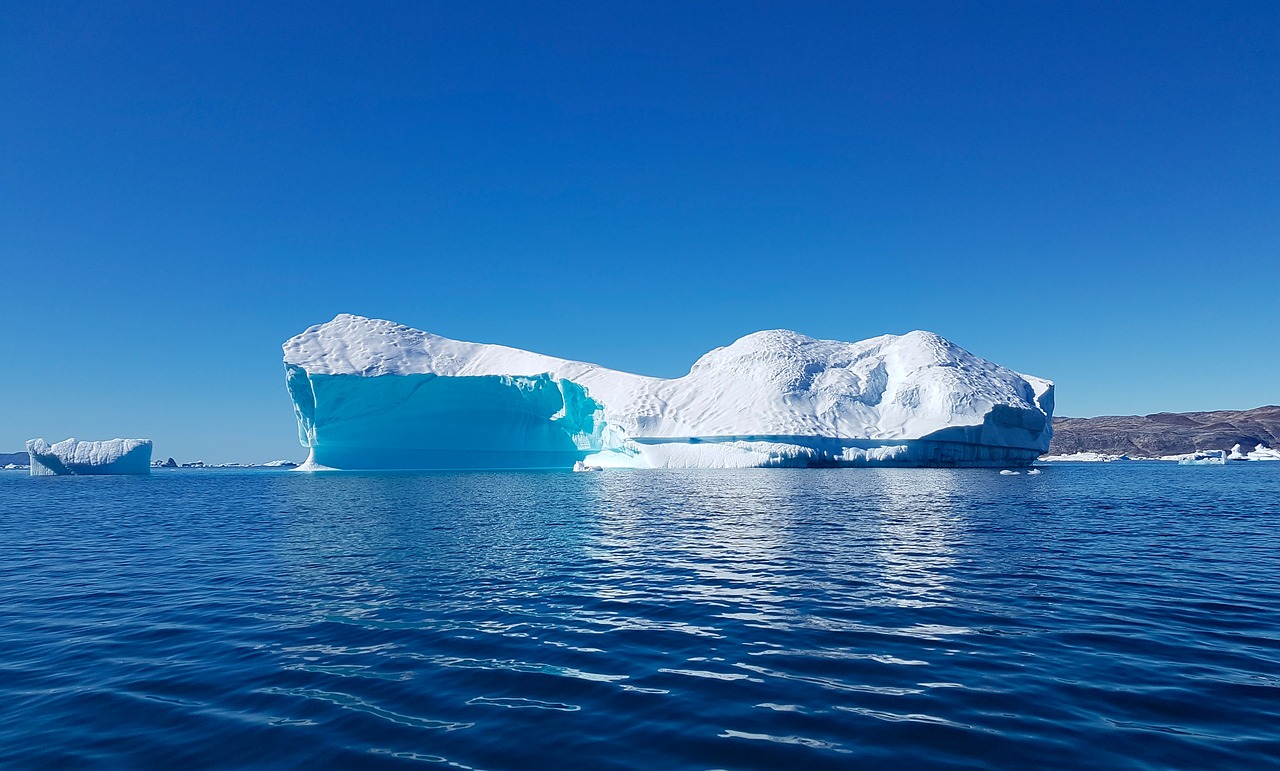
x=370, y=393
x=114, y=456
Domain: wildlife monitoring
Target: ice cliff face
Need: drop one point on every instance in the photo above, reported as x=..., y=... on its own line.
x=114, y=456
x=374, y=394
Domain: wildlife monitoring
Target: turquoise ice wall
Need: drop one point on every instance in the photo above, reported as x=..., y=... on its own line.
x=429, y=421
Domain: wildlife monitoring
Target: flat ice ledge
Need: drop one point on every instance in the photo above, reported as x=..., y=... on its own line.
x=71, y=457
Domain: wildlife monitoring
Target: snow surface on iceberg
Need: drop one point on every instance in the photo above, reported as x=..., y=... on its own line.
x=114, y=456
x=370, y=393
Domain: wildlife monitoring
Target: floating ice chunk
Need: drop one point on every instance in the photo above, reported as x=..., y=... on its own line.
x=1263, y=452
x=1202, y=458
x=114, y=456
x=1033, y=471
x=1009, y=473
x=369, y=393
x=1259, y=452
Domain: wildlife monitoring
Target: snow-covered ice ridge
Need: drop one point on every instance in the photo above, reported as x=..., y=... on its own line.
x=370, y=393
x=113, y=456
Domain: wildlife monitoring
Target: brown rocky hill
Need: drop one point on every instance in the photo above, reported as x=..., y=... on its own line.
x=1167, y=433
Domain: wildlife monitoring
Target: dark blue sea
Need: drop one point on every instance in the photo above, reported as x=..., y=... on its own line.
x=1120, y=616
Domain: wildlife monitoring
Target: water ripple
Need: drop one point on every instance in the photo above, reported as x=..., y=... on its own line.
x=1117, y=617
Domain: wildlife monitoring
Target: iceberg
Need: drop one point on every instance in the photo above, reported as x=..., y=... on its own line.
x=1200, y=458
x=68, y=457
x=369, y=393
x=1259, y=452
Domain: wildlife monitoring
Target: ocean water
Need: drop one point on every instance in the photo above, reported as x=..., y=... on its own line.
x=1094, y=616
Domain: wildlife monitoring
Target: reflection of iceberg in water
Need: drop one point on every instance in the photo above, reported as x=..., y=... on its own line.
x=762, y=545
x=839, y=588
x=835, y=584
x=919, y=534
x=400, y=585
x=725, y=551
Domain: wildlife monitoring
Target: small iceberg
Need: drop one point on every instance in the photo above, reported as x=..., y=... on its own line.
x=70, y=457
x=1007, y=473
x=1204, y=458
x=1033, y=472
x=1259, y=452
x=580, y=466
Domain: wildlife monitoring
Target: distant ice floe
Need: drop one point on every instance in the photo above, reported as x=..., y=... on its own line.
x=1198, y=458
x=1220, y=457
x=1259, y=452
x=71, y=457
x=199, y=464
x=1084, y=457
x=1201, y=458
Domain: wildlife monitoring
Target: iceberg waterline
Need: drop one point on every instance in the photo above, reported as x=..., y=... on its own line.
x=370, y=393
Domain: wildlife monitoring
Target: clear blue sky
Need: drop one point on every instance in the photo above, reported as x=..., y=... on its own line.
x=1089, y=192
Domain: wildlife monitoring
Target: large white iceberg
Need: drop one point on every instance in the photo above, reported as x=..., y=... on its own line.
x=370, y=393
x=114, y=456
